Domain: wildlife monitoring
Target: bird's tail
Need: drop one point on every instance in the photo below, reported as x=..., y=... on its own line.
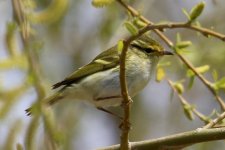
x=47, y=102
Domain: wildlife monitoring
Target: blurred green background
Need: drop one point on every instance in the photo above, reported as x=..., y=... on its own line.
x=78, y=35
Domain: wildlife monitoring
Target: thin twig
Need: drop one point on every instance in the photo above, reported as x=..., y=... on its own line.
x=185, y=102
x=186, y=25
x=215, y=121
x=126, y=100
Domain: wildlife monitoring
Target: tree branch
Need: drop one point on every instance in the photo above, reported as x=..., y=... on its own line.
x=124, y=92
x=184, y=102
x=177, y=141
x=215, y=121
x=210, y=123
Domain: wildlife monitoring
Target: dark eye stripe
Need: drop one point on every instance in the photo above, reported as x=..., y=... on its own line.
x=147, y=50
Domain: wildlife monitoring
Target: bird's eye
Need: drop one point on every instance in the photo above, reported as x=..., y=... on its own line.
x=147, y=50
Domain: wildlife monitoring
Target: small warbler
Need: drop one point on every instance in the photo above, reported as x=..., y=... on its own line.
x=98, y=82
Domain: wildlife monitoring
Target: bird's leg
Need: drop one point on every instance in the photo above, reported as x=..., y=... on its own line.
x=124, y=104
x=105, y=110
x=106, y=98
x=109, y=112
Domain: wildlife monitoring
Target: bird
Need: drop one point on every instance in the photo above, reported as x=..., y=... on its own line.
x=98, y=82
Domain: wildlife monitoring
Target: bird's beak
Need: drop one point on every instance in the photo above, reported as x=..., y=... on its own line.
x=167, y=53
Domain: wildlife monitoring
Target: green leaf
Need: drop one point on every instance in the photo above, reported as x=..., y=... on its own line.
x=186, y=13
x=196, y=11
x=188, y=111
x=139, y=23
x=101, y=3
x=215, y=75
x=120, y=46
x=179, y=87
x=190, y=73
x=191, y=82
x=164, y=64
x=183, y=44
x=220, y=83
x=160, y=74
x=180, y=50
x=177, y=50
x=131, y=28
x=201, y=70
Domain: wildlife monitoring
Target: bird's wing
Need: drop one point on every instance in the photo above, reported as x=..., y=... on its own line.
x=106, y=60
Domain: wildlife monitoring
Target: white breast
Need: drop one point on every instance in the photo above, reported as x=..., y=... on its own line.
x=139, y=77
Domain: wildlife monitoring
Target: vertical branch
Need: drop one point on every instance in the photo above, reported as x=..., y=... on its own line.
x=142, y=18
x=124, y=92
x=126, y=103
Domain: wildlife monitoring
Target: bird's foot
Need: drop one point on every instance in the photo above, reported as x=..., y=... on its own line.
x=125, y=104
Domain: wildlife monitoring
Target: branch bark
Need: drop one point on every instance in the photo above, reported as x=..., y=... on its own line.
x=176, y=141
x=124, y=92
